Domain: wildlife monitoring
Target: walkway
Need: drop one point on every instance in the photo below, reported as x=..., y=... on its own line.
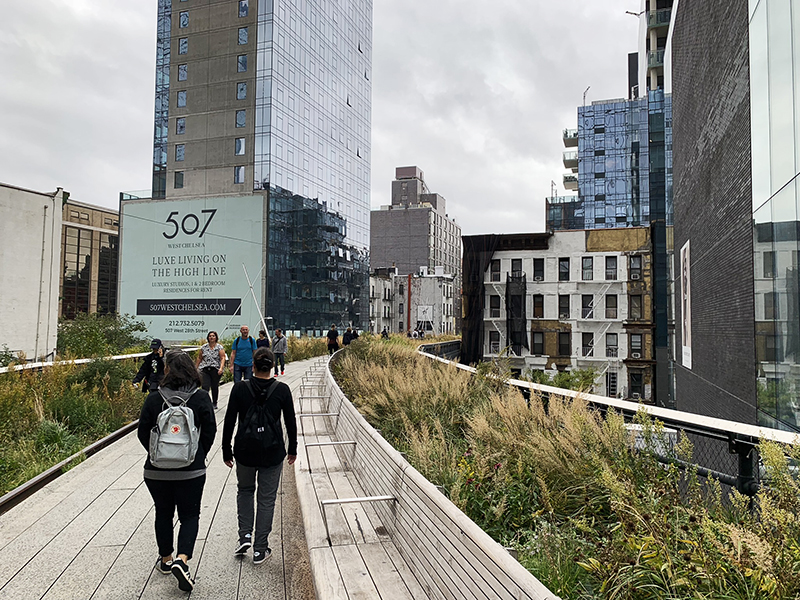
x=89, y=534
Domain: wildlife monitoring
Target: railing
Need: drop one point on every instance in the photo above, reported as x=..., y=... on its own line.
x=612, y=352
x=659, y=18
x=570, y=137
x=655, y=59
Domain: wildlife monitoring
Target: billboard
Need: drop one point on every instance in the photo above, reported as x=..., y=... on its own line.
x=184, y=265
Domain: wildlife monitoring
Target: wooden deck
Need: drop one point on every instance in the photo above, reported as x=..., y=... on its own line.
x=90, y=535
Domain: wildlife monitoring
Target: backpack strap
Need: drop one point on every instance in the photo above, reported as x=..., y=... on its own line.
x=252, y=391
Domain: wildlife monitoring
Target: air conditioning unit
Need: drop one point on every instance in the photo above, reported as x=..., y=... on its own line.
x=635, y=276
x=636, y=355
x=635, y=396
x=538, y=278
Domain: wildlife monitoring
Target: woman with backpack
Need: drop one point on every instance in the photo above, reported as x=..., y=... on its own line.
x=254, y=409
x=177, y=428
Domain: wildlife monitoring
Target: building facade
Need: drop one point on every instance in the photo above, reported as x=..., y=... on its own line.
x=90, y=259
x=561, y=301
x=30, y=267
x=272, y=99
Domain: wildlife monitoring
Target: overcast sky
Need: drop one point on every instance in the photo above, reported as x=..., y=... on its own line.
x=475, y=96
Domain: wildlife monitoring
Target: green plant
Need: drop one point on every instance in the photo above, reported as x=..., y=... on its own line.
x=90, y=335
x=6, y=356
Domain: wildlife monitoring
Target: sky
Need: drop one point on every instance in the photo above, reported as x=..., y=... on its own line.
x=476, y=97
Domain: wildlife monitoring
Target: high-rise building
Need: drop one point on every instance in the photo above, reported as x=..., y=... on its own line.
x=271, y=100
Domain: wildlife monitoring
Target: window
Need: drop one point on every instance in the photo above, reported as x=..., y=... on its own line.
x=538, y=306
x=401, y=289
x=495, y=270
x=612, y=345
x=400, y=309
x=637, y=381
x=611, y=384
x=773, y=349
x=538, y=343
x=611, y=306
x=244, y=5
x=563, y=306
x=771, y=306
x=183, y=72
x=636, y=345
x=494, y=307
x=587, y=306
x=241, y=63
x=635, y=308
x=516, y=267
x=611, y=268
x=769, y=265
x=178, y=180
x=239, y=147
x=180, y=125
x=183, y=19
x=183, y=45
x=587, y=344
x=494, y=342
x=564, y=348
x=241, y=90
x=538, y=269
x=242, y=36
x=636, y=267
x=238, y=174
x=563, y=269
x=180, y=152
x=587, y=268
x=241, y=118
x=400, y=327
x=182, y=99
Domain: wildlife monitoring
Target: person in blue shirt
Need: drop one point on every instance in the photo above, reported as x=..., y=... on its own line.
x=242, y=355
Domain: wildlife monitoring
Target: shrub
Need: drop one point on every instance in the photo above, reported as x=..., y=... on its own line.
x=90, y=335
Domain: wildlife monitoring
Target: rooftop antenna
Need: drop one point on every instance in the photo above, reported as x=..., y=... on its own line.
x=584, y=94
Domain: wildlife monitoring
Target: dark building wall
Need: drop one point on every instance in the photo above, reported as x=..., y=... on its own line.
x=400, y=238
x=713, y=206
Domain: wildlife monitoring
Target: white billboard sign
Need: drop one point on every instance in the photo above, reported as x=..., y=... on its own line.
x=184, y=265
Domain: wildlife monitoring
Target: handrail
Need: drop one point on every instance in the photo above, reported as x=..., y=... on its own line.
x=81, y=361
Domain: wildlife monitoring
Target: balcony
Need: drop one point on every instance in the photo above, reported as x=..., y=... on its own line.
x=571, y=181
x=570, y=138
x=571, y=159
x=587, y=350
x=494, y=347
x=658, y=18
x=612, y=351
x=655, y=59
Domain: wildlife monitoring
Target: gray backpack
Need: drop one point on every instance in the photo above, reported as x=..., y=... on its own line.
x=175, y=437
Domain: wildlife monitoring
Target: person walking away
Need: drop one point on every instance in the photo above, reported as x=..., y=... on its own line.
x=347, y=337
x=280, y=346
x=242, y=354
x=257, y=405
x=263, y=340
x=385, y=333
x=181, y=487
x=211, y=362
x=152, y=370
x=333, y=339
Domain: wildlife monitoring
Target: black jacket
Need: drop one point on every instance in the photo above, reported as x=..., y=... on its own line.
x=200, y=403
x=279, y=403
x=152, y=370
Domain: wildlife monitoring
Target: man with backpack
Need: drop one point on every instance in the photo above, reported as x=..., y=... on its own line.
x=242, y=355
x=254, y=409
x=177, y=427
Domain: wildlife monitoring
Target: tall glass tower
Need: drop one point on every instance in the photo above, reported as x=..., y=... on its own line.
x=272, y=98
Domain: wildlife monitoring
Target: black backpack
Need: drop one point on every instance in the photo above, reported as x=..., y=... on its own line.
x=259, y=434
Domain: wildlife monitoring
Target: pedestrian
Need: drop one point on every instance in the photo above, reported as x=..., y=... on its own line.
x=279, y=348
x=415, y=334
x=180, y=488
x=152, y=370
x=333, y=339
x=242, y=354
x=385, y=333
x=347, y=337
x=421, y=333
x=263, y=340
x=211, y=362
x=261, y=400
x=355, y=335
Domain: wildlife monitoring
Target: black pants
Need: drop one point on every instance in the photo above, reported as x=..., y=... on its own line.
x=279, y=360
x=210, y=376
x=185, y=495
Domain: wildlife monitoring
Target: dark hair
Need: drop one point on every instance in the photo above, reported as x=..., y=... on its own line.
x=263, y=360
x=262, y=332
x=216, y=335
x=179, y=371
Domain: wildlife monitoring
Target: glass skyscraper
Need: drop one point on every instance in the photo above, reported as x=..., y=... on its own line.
x=272, y=98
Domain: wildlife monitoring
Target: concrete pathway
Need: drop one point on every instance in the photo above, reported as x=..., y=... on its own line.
x=90, y=534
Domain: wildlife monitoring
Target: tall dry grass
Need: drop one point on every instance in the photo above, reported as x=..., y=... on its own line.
x=591, y=516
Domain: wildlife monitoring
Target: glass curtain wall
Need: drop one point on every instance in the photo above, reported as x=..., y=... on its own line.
x=775, y=151
x=162, y=98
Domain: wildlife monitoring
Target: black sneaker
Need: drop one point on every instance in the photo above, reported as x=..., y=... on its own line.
x=215, y=406
x=259, y=556
x=181, y=571
x=163, y=567
x=243, y=546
